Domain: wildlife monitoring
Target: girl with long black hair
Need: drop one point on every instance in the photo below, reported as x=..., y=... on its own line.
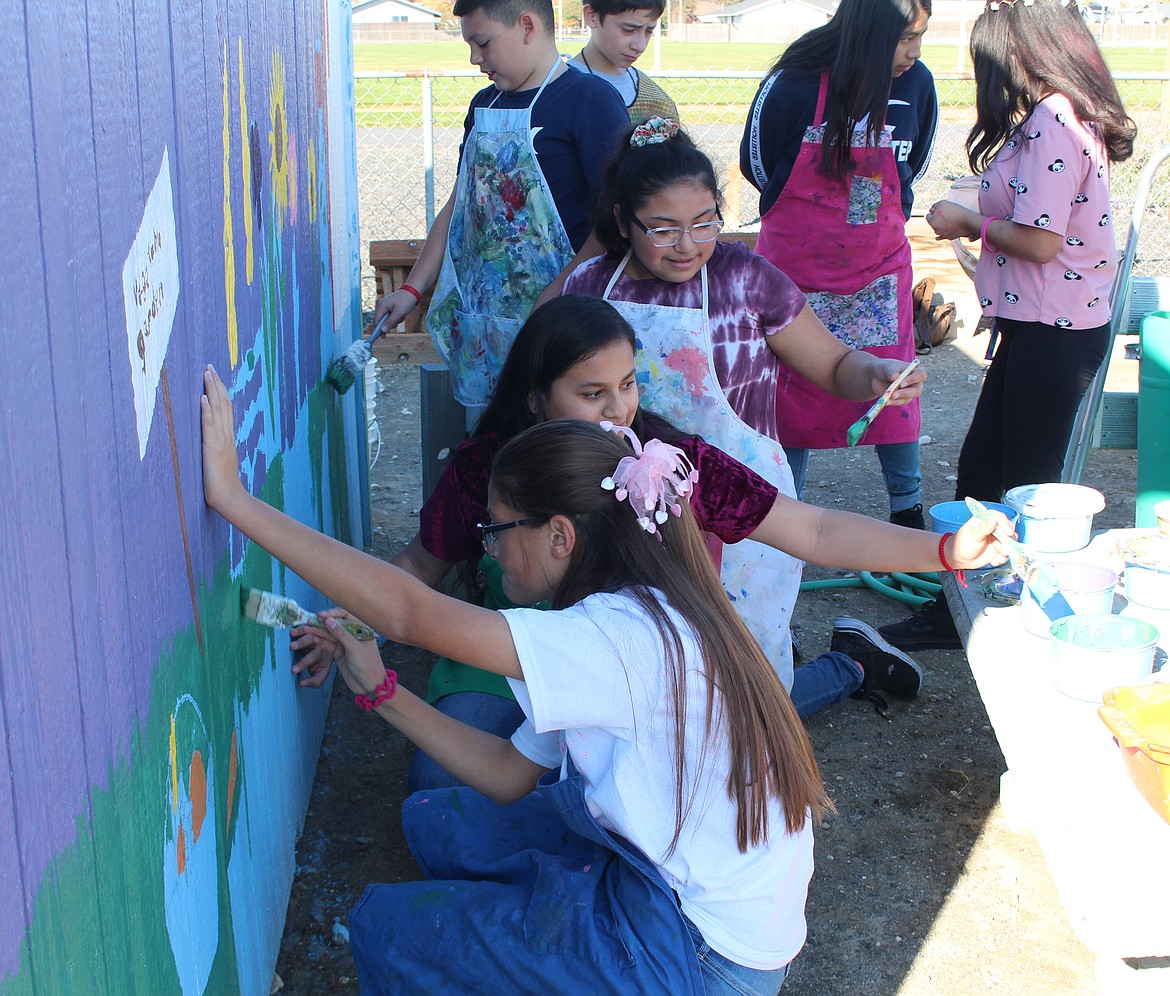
x=840, y=130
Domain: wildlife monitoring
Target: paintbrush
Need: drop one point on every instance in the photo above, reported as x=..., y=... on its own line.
x=347, y=368
x=857, y=429
x=1034, y=573
x=282, y=613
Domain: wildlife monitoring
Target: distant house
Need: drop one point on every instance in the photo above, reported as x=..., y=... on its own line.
x=387, y=12
x=764, y=16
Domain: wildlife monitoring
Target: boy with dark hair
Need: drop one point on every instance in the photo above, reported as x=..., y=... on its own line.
x=535, y=146
x=619, y=31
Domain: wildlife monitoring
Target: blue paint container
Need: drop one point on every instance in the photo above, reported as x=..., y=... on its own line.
x=948, y=516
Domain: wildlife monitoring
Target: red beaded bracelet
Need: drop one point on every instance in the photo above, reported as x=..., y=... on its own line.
x=411, y=290
x=958, y=572
x=383, y=692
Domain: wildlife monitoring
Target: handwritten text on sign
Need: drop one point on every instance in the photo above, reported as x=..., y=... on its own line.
x=150, y=287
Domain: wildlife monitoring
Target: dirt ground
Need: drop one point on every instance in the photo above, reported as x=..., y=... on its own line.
x=921, y=888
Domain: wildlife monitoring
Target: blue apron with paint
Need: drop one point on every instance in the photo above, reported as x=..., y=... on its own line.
x=534, y=897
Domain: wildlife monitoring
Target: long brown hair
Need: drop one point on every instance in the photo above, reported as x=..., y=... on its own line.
x=556, y=469
x=1023, y=52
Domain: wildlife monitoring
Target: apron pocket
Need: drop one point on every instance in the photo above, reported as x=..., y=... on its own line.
x=866, y=319
x=865, y=197
x=479, y=346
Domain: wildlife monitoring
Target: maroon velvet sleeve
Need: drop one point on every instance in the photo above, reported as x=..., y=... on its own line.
x=448, y=518
x=730, y=500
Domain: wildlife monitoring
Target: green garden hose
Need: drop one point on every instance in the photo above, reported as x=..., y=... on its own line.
x=898, y=586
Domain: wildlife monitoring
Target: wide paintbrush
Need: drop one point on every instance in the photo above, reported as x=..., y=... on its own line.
x=282, y=613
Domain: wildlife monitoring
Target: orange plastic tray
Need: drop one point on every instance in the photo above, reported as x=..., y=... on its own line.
x=1138, y=716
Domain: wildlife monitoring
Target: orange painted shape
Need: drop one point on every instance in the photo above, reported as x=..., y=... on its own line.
x=181, y=850
x=233, y=765
x=198, y=789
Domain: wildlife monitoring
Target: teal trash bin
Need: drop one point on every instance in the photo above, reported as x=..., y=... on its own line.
x=1153, y=436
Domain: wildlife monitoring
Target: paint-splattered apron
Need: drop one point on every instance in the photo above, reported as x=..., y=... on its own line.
x=535, y=897
x=844, y=244
x=506, y=244
x=676, y=378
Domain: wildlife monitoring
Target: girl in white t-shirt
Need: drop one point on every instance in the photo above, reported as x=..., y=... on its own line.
x=670, y=849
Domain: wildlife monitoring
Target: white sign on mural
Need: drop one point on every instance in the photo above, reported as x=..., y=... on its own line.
x=150, y=287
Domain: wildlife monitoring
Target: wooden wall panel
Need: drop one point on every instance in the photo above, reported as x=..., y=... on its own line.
x=159, y=754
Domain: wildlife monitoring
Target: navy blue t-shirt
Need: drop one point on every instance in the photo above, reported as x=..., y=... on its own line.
x=776, y=126
x=579, y=120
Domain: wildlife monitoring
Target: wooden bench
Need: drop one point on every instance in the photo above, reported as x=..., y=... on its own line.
x=392, y=260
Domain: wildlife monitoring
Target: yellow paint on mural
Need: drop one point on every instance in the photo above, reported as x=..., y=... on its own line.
x=278, y=138
x=292, y=178
x=246, y=150
x=312, y=186
x=174, y=767
x=229, y=249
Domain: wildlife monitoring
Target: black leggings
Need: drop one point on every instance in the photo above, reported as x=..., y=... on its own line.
x=1024, y=416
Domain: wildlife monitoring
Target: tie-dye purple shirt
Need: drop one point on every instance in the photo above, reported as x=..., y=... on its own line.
x=749, y=299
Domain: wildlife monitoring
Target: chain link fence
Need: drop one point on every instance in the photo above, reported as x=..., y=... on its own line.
x=409, y=128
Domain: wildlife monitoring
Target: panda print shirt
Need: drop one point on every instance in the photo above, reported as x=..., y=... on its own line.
x=1052, y=173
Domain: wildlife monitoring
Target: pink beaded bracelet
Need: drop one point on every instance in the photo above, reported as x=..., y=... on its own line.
x=383, y=692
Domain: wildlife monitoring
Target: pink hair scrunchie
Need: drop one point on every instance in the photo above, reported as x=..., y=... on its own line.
x=653, y=479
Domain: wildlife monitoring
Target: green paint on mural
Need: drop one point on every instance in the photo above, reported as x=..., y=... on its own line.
x=103, y=897
x=326, y=429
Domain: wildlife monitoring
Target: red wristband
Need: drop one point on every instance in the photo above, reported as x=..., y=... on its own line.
x=983, y=234
x=958, y=572
x=411, y=290
x=383, y=692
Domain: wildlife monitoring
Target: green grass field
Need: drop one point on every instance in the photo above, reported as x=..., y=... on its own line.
x=444, y=56
x=389, y=102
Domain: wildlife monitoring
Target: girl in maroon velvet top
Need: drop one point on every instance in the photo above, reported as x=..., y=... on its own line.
x=574, y=358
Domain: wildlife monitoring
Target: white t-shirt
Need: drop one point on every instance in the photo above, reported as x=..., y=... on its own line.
x=596, y=685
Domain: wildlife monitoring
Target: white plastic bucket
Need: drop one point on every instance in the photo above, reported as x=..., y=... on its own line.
x=1095, y=653
x=1088, y=589
x=1147, y=569
x=1055, y=518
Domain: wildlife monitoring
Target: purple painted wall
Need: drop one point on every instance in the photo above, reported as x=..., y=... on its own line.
x=177, y=188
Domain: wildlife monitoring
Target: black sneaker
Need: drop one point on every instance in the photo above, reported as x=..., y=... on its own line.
x=886, y=668
x=930, y=628
x=911, y=518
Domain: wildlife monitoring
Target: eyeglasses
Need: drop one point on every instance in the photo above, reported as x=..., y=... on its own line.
x=488, y=530
x=667, y=238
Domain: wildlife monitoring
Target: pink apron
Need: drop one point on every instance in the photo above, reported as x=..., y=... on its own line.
x=845, y=246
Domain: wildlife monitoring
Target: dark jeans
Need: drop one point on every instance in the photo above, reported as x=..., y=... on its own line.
x=1025, y=413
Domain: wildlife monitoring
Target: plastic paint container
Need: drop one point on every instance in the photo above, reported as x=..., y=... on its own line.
x=1162, y=513
x=1088, y=589
x=1055, y=518
x=948, y=516
x=1147, y=569
x=1094, y=653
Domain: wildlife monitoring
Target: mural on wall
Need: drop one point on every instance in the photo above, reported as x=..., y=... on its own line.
x=196, y=203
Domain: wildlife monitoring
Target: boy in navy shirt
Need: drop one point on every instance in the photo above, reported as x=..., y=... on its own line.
x=535, y=145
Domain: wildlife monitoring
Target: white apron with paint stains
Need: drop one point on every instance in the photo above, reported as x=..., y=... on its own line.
x=676, y=378
x=506, y=244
